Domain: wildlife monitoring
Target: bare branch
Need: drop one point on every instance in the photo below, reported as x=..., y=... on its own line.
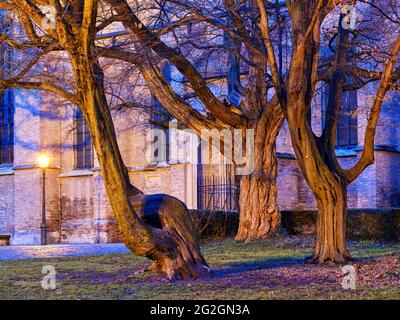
x=367, y=156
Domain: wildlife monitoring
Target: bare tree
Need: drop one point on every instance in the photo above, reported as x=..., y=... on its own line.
x=316, y=155
x=254, y=30
x=164, y=234
x=259, y=213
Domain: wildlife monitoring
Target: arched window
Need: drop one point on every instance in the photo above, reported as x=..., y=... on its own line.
x=83, y=143
x=6, y=126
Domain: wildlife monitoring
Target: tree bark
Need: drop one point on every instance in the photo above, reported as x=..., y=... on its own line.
x=328, y=187
x=329, y=190
x=171, y=243
x=317, y=160
x=330, y=243
x=259, y=213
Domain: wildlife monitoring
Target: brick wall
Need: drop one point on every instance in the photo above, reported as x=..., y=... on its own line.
x=387, y=179
x=377, y=186
x=78, y=222
x=6, y=203
x=77, y=206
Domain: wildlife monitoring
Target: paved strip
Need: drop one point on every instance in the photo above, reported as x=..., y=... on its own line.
x=60, y=250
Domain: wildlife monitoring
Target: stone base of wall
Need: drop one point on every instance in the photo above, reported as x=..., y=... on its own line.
x=33, y=237
x=73, y=232
x=26, y=237
x=103, y=231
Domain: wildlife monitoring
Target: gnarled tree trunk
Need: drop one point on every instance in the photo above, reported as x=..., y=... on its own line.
x=327, y=187
x=316, y=155
x=259, y=212
x=171, y=215
x=330, y=193
x=170, y=241
x=330, y=240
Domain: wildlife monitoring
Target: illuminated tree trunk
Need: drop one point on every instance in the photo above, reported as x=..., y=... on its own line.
x=316, y=155
x=160, y=228
x=259, y=212
x=331, y=222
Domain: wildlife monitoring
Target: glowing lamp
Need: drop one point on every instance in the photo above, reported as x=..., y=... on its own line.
x=43, y=160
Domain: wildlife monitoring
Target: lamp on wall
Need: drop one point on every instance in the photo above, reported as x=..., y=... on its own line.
x=44, y=160
x=43, y=163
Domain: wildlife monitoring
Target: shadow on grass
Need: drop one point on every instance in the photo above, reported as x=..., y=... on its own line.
x=259, y=264
x=362, y=255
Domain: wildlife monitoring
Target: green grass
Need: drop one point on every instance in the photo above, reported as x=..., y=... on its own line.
x=260, y=270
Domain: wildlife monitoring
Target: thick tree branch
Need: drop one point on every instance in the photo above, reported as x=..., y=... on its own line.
x=271, y=58
x=367, y=157
x=328, y=137
x=199, y=85
x=41, y=86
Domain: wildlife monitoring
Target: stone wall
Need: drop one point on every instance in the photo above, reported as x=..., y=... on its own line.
x=78, y=220
x=6, y=201
x=86, y=215
x=77, y=206
x=376, y=187
x=387, y=179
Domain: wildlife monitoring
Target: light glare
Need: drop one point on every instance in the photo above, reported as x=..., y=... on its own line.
x=43, y=160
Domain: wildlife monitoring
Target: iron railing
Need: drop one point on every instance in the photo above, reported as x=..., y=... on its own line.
x=217, y=193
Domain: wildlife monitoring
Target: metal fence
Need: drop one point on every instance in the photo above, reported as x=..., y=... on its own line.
x=218, y=194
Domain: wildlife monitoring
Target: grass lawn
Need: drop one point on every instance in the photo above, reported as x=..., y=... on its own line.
x=271, y=269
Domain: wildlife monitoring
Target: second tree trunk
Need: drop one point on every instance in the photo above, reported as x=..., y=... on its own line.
x=259, y=212
x=330, y=243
